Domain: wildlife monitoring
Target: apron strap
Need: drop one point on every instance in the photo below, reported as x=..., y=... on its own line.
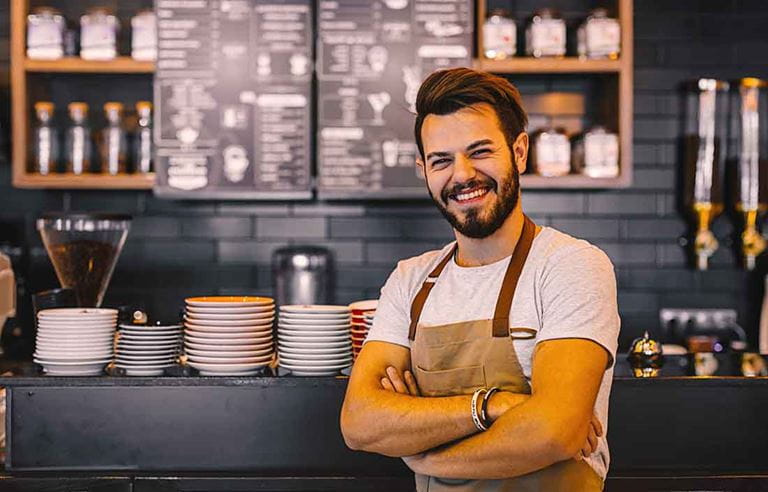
x=418, y=302
x=509, y=285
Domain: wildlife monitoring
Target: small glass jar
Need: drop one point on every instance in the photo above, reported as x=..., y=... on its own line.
x=144, y=36
x=599, y=36
x=596, y=153
x=98, y=34
x=545, y=34
x=45, y=145
x=78, y=140
x=45, y=34
x=551, y=153
x=112, y=141
x=499, y=35
x=142, y=153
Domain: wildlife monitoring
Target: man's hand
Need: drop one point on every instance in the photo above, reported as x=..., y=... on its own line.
x=500, y=402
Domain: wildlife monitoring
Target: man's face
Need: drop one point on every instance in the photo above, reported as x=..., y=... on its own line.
x=472, y=175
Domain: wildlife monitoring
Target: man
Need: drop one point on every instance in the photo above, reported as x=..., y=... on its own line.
x=512, y=328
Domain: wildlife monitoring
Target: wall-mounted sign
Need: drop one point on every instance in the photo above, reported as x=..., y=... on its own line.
x=233, y=97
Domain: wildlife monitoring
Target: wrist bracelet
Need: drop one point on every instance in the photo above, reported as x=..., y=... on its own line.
x=484, y=406
x=475, y=417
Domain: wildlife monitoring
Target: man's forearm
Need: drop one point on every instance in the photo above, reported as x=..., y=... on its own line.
x=399, y=425
x=520, y=442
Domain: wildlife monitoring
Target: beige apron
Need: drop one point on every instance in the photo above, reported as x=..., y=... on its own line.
x=458, y=358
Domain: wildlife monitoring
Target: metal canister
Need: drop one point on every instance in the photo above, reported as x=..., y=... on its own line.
x=303, y=275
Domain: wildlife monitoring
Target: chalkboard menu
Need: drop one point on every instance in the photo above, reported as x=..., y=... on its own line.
x=372, y=55
x=233, y=99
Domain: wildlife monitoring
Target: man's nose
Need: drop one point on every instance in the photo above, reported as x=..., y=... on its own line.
x=463, y=170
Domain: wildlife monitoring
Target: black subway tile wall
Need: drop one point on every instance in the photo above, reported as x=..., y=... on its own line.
x=179, y=248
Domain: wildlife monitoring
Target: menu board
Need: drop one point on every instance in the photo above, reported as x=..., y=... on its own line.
x=233, y=92
x=372, y=55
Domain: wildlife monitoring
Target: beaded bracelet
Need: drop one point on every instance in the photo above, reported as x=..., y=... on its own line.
x=484, y=406
x=475, y=417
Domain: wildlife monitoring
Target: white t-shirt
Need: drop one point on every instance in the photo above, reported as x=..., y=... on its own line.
x=567, y=289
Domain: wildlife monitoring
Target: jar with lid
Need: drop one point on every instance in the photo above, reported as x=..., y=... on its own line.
x=78, y=140
x=45, y=34
x=98, y=34
x=142, y=150
x=112, y=141
x=550, y=153
x=499, y=35
x=45, y=145
x=599, y=36
x=596, y=153
x=144, y=36
x=545, y=34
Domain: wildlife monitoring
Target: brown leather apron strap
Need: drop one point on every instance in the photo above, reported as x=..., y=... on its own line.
x=418, y=302
x=509, y=285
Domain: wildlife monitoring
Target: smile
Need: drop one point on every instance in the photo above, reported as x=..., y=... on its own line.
x=470, y=196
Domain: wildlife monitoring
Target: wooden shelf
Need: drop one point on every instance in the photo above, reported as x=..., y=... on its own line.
x=122, y=64
x=575, y=181
x=86, y=181
x=548, y=65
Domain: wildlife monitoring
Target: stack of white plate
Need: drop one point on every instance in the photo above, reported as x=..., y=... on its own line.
x=75, y=341
x=314, y=340
x=147, y=350
x=229, y=335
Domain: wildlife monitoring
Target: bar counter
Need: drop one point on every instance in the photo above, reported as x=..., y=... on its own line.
x=672, y=432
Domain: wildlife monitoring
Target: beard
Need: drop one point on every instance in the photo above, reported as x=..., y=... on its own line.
x=476, y=225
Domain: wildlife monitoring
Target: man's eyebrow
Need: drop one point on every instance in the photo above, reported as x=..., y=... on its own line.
x=478, y=143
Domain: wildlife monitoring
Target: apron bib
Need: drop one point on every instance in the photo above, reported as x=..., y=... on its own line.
x=458, y=358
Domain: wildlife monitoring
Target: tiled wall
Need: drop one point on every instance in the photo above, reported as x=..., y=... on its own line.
x=180, y=248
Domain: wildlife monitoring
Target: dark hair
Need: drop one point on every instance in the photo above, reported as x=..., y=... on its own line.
x=447, y=91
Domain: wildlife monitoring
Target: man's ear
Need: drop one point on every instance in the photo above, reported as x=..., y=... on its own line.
x=520, y=148
x=420, y=172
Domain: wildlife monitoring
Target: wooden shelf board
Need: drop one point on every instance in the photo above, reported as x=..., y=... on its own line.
x=86, y=181
x=548, y=65
x=121, y=64
x=573, y=181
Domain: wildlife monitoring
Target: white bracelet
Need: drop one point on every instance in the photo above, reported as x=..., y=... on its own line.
x=475, y=417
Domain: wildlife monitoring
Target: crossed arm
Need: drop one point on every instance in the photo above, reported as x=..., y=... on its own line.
x=437, y=434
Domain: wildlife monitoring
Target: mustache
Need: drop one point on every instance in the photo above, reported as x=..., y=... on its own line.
x=459, y=188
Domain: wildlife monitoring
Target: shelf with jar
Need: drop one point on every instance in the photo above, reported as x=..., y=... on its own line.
x=54, y=146
x=597, y=152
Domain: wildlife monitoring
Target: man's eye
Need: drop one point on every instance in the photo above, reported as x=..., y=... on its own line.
x=439, y=162
x=480, y=152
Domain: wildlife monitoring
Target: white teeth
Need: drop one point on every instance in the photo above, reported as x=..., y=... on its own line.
x=468, y=196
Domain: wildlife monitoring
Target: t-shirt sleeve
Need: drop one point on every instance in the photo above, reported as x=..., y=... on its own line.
x=392, y=318
x=578, y=296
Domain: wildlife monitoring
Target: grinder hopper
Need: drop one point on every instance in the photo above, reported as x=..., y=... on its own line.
x=84, y=249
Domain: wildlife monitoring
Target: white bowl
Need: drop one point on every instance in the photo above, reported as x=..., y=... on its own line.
x=233, y=347
x=230, y=310
x=262, y=359
x=315, y=316
x=209, y=339
x=230, y=329
x=229, y=301
x=230, y=322
x=314, y=333
x=322, y=345
x=77, y=312
x=228, y=369
x=314, y=309
x=229, y=353
x=229, y=316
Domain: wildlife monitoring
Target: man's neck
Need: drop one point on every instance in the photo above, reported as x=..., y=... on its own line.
x=501, y=244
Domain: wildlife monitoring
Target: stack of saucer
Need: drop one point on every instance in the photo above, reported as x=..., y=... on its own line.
x=229, y=335
x=147, y=350
x=362, y=320
x=314, y=340
x=75, y=341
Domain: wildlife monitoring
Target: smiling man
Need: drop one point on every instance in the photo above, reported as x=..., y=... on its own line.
x=490, y=362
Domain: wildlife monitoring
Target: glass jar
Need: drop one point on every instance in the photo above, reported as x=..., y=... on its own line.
x=599, y=36
x=45, y=34
x=144, y=36
x=551, y=153
x=545, y=34
x=596, y=153
x=45, y=144
x=499, y=35
x=112, y=141
x=142, y=152
x=98, y=34
x=78, y=140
